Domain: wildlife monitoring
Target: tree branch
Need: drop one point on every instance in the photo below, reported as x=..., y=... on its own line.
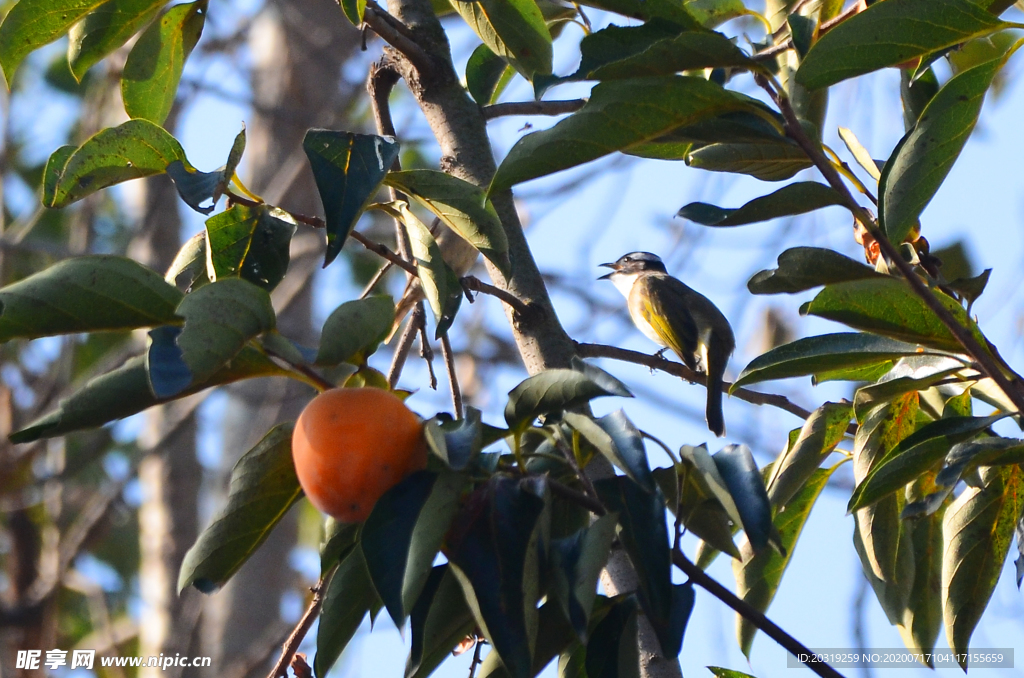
x=291, y=645
x=532, y=108
x=453, y=377
x=384, y=251
x=758, y=619
x=398, y=35
x=981, y=355
x=474, y=284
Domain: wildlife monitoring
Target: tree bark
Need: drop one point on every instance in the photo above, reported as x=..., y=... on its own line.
x=460, y=128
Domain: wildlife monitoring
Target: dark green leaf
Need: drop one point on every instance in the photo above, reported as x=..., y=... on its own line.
x=339, y=538
x=441, y=285
x=765, y=161
x=719, y=672
x=559, y=389
x=457, y=443
x=554, y=636
x=105, y=29
x=484, y=72
x=492, y=548
x=917, y=453
x=353, y=330
x=889, y=33
x=823, y=353
x=197, y=188
x=915, y=93
x=963, y=457
x=798, y=198
x=646, y=10
x=219, y=319
x=126, y=391
x=263, y=487
x=977, y=529
x=132, y=150
x=887, y=306
x=700, y=512
x=462, y=206
x=86, y=294
x=758, y=576
x=151, y=74
x=618, y=115
x=576, y=562
x=30, y=24
x=618, y=440
x=865, y=373
x=403, y=534
x=801, y=29
x=251, y=243
x=804, y=268
x=819, y=436
x=348, y=169
x=744, y=481
x=922, y=618
x=891, y=537
x=644, y=534
x=513, y=29
x=439, y=621
x=922, y=161
x=613, y=650
x=349, y=597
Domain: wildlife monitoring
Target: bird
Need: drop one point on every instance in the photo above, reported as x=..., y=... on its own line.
x=677, y=317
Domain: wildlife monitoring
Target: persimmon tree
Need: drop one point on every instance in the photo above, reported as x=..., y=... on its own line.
x=529, y=513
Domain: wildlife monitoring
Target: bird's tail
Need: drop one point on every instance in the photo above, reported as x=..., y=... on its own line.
x=716, y=420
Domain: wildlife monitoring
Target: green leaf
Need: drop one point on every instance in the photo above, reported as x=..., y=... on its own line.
x=870, y=396
x=251, y=243
x=126, y=391
x=766, y=161
x=712, y=13
x=700, y=511
x=922, y=161
x=105, y=29
x=576, y=562
x=977, y=529
x=966, y=456
x=262, y=488
x=197, y=188
x=559, y=389
x=190, y=262
x=349, y=597
x=758, y=577
x=456, y=442
x=513, y=29
x=889, y=33
x=220, y=318
x=812, y=444
x=354, y=10
x=619, y=114
x=403, y=534
x=887, y=306
x=646, y=10
x=916, y=90
x=554, y=636
x=616, y=437
x=439, y=621
x=484, y=72
x=352, y=331
x=33, y=23
x=915, y=455
x=348, y=169
x=86, y=294
x=922, y=618
x=804, y=268
x=746, y=485
x=151, y=74
x=798, y=198
x=492, y=547
x=338, y=540
x=613, y=651
x=644, y=534
x=462, y=206
x=823, y=353
x=441, y=285
x=132, y=150
x=653, y=49
x=719, y=672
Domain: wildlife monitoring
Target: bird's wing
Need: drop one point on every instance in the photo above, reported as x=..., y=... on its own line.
x=667, y=311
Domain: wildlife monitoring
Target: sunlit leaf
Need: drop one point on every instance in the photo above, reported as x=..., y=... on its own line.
x=441, y=285
x=513, y=29
x=559, y=389
x=251, y=243
x=765, y=161
x=105, y=29
x=30, y=24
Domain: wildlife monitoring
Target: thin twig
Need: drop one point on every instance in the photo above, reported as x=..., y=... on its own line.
x=426, y=352
x=787, y=44
x=981, y=355
x=474, y=284
x=557, y=107
x=405, y=344
x=453, y=377
x=755, y=617
x=682, y=371
x=575, y=496
x=383, y=251
x=383, y=78
x=312, y=378
x=398, y=35
x=291, y=645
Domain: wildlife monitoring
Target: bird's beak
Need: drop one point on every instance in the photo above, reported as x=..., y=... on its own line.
x=615, y=267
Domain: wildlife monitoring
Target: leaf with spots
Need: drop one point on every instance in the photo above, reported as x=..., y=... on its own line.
x=30, y=24
x=105, y=29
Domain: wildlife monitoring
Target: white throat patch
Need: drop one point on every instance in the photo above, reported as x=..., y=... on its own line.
x=624, y=282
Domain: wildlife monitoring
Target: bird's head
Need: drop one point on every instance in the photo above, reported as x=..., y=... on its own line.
x=633, y=263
